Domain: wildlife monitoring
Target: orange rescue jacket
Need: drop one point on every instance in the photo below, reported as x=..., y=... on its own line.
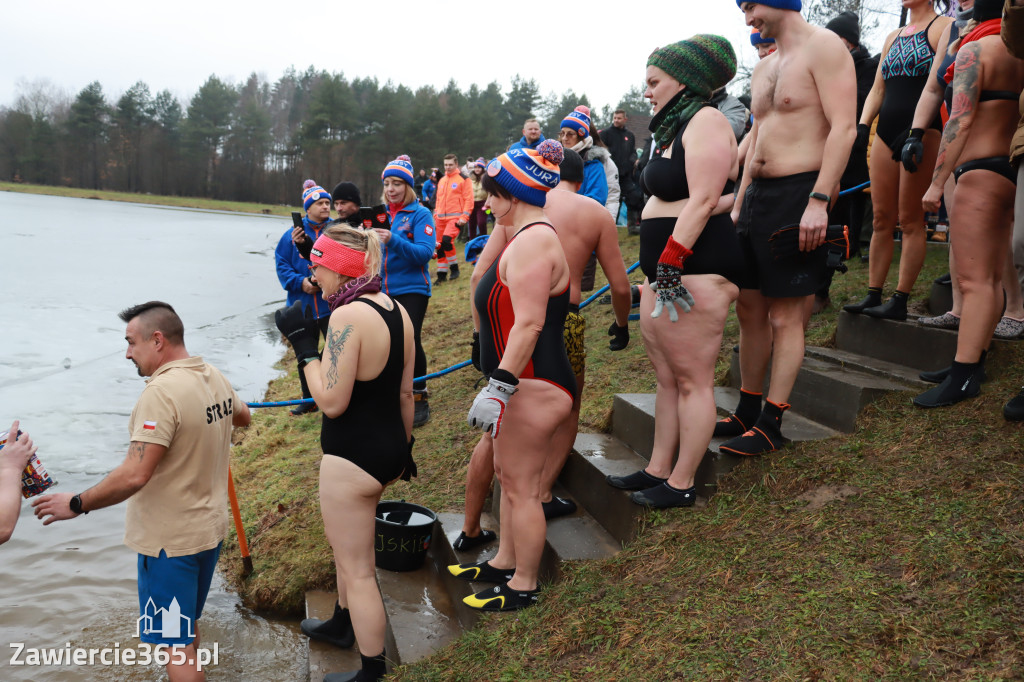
x=454, y=198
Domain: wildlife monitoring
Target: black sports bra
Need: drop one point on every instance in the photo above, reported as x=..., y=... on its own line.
x=665, y=178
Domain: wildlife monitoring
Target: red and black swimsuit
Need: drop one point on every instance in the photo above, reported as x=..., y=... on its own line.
x=549, y=361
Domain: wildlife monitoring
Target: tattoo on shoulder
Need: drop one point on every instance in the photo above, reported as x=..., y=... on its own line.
x=137, y=449
x=336, y=339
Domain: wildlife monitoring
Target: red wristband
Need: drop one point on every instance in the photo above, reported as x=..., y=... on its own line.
x=674, y=253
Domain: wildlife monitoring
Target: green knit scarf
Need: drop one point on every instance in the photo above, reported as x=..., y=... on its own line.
x=667, y=122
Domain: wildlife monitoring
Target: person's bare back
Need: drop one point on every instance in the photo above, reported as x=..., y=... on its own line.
x=584, y=227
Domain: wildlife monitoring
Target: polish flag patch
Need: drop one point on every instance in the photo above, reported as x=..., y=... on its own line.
x=150, y=426
x=429, y=229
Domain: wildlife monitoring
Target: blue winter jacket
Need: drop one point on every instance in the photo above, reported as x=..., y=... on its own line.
x=523, y=145
x=293, y=268
x=406, y=258
x=595, y=182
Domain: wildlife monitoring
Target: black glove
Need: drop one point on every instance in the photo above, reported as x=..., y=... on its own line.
x=913, y=150
x=475, y=353
x=302, y=331
x=860, y=145
x=446, y=243
x=620, y=336
x=305, y=247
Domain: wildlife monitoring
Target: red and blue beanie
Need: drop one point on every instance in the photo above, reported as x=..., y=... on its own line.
x=528, y=174
x=480, y=162
x=311, y=193
x=578, y=121
x=777, y=4
x=757, y=39
x=400, y=168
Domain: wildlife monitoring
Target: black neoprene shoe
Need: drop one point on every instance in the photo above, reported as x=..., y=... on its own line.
x=869, y=301
x=638, y=480
x=1013, y=411
x=337, y=630
x=664, y=496
x=963, y=382
x=939, y=375
x=501, y=598
x=481, y=571
x=893, y=309
x=763, y=437
x=558, y=506
x=464, y=542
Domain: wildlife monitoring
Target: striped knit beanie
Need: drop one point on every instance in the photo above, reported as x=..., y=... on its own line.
x=777, y=4
x=703, y=63
x=756, y=38
x=311, y=193
x=528, y=174
x=578, y=121
x=400, y=168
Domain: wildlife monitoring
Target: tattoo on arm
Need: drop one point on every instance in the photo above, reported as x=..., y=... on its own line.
x=335, y=347
x=966, y=92
x=137, y=449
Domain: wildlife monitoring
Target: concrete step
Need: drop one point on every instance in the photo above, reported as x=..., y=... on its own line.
x=881, y=368
x=443, y=554
x=420, y=615
x=832, y=392
x=902, y=343
x=324, y=658
x=596, y=456
x=576, y=537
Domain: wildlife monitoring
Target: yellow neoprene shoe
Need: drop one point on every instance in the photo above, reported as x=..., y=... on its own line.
x=481, y=571
x=502, y=598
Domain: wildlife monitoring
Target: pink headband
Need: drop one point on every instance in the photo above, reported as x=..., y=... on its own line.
x=338, y=257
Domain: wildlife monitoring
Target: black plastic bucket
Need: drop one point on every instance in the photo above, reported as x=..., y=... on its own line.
x=402, y=535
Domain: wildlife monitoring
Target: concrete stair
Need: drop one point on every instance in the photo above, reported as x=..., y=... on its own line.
x=871, y=358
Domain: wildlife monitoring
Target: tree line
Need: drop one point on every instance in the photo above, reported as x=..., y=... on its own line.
x=257, y=141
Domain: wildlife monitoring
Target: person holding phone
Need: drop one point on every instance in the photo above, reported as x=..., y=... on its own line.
x=405, y=274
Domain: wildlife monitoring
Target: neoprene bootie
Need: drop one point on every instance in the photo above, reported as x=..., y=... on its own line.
x=963, y=382
x=893, y=309
x=747, y=412
x=763, y=437
x=873, y=298
x=374, y=668
x=337, y=630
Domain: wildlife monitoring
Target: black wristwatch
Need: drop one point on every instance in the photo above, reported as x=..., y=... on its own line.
x=76, y=505
x=820, y=196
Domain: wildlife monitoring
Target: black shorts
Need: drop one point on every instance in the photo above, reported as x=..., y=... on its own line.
x=769, y=204
x=717, y=251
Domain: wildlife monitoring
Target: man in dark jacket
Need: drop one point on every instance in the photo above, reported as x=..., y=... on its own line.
x=621, y=142
x=849, y=209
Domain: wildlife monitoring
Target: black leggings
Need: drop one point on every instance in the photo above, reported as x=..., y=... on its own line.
x=416, y=306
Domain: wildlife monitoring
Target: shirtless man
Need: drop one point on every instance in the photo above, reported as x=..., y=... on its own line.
x=804, y=103
x=583, y=227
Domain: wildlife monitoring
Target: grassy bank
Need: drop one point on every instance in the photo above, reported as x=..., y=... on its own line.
x=134, y=198
x=891, y=553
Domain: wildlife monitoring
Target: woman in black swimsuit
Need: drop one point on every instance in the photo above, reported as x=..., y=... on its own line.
x=364, y=388
x=895, y=193
x=522, y=300
x=694, y=168
x=974, y=150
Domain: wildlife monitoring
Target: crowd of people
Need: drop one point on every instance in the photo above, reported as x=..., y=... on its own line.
x=731, y=210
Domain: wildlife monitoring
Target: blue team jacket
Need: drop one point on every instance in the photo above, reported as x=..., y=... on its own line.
x=293, y=268
x=406, y=258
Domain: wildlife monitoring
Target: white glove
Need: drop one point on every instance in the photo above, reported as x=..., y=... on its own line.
x=490, y=404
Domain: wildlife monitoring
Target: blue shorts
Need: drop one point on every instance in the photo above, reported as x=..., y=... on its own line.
x=172, y=593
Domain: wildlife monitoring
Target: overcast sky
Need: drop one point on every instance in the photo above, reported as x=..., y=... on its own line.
x=177, y=45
